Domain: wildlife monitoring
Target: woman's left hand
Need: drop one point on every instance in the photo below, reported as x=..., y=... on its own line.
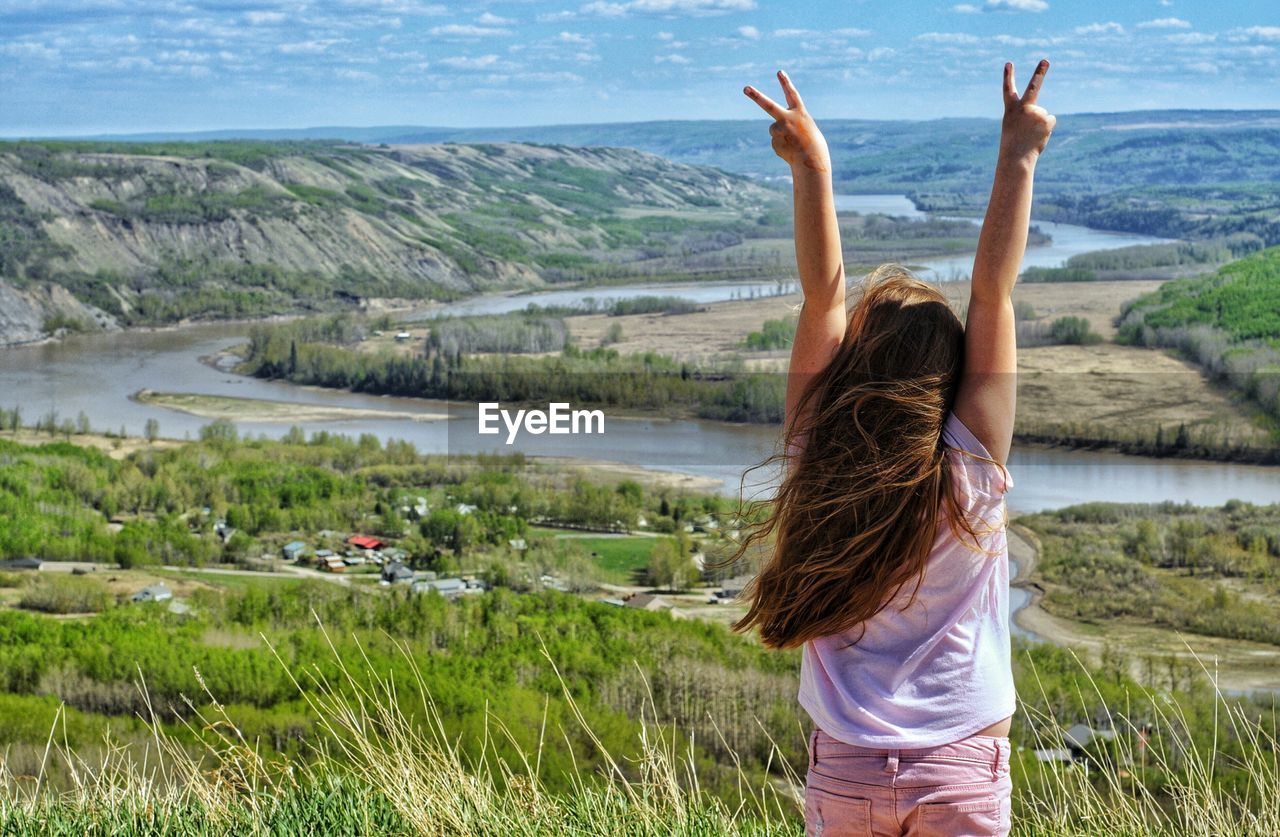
x=796, y=137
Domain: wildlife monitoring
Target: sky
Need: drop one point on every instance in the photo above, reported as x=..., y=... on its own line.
x=75, y=67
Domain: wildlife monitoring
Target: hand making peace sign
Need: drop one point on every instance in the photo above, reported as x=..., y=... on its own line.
x=1027, y=126
x=796, y=137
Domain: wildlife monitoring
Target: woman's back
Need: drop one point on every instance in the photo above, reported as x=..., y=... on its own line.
x=937, y=669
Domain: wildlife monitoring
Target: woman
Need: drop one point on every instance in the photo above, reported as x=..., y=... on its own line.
x=890, y=565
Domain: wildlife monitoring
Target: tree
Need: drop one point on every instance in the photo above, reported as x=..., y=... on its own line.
x=152, y=430
x=670, y=566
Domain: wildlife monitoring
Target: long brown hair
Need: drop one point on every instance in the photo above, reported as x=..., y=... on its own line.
x=866, y=478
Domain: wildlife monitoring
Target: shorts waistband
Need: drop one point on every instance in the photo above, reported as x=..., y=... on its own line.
x=981, y=749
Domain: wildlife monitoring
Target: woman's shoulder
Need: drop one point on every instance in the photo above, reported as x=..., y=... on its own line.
x=973, y=461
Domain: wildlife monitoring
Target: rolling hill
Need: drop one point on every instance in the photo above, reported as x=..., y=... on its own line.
x=1173, y=173
x=159, y=232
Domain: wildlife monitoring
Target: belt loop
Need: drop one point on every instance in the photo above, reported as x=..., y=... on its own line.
x=995, y=765
x=891, y=763
x=813, y=748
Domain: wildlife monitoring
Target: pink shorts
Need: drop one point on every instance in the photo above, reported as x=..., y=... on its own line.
x=956, y=790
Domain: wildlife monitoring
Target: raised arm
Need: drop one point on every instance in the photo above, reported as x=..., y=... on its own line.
x=987, y=394
x=822, y=320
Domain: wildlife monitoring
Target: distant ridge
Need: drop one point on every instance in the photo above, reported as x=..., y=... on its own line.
x=1091, y=151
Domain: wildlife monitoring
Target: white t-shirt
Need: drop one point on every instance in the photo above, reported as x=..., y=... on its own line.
x=938, y=671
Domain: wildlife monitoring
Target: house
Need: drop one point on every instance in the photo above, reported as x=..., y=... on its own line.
x=518, y=544
x=334, y=565
x=648, y=601
x=403, y=337
x=365, y=542
x=153, y=593
x=21, y=564
x=355, y=560
x=731, y=588
x=447, y=587
x=223, y=531
x=395, y=573
x=1080, y=736
x=293, y=550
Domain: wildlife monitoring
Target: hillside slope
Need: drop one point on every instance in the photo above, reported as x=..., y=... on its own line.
x=1195, y=174
x=158, y=232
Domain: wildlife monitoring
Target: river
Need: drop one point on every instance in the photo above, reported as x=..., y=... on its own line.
x=97, y=373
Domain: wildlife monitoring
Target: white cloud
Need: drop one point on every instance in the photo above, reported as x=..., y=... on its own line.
x=30, y=49
x=1165, y=23
x=490, y=19
x=814, y=33
x=1206, y=67
x=948, y=38
x=264, y=18
x=1110, y=27
x=1191, y=38
x=355, y=75
x=966, y=9
x=749, y=32
x=604, y=9
x=1016, y=6
x=184, y=56
x=466, y=30
x=694, y=8
x=666, y=36
x=673, y=58
x=1266, y=33
x=313, y=47
x=466, y=62
x=573, y=38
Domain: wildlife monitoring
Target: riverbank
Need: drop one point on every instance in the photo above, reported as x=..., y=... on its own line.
x=259, y=410
x=1235, y=665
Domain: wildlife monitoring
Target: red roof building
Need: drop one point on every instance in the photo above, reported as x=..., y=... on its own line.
x=365, y=542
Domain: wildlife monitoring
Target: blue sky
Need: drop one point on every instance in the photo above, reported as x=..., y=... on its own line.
x=87, y=66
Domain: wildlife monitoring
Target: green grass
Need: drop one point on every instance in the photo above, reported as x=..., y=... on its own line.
x=620, y=557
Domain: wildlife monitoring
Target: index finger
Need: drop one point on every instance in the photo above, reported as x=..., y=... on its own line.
x=1037, y=80
x=768, y=105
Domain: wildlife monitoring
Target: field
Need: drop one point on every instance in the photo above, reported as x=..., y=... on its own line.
x=721, y=327
x=621, y=559
x=1104, y=391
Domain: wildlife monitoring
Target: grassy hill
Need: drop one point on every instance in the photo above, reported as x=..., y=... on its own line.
x=1176, y=173
x=155, y=232
x=1229, y=322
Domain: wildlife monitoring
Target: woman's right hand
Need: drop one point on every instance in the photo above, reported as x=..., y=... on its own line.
x=796, y=137
x=1026, y=127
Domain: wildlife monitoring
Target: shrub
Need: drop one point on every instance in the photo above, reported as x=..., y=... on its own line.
x=66, y=594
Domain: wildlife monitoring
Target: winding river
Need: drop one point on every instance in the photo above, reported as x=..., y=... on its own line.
x=96, y=374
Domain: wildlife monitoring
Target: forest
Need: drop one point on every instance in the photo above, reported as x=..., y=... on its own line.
x=315, y=352
x=1202, y=571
